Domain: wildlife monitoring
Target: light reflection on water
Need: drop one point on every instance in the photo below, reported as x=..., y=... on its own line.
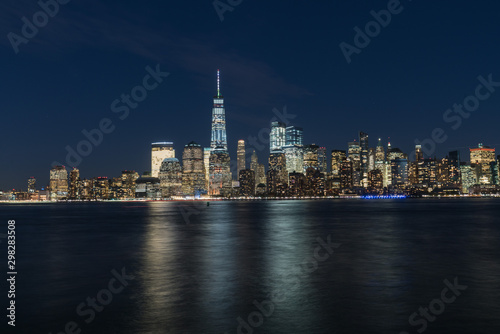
x=200, y=277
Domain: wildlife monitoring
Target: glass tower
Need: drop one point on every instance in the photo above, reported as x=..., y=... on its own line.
x=277, y=136
x=218, y=138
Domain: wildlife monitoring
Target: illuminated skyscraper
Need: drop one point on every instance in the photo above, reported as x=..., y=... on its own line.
x=419, y=155
x=220, y=179
x=206, y=161
x=170, y=176
x=379, y=155
x=277, y=137
x=399, y=171
x=482, y=154
x=260, y=177
x=455, y=166
x=159, y=152
x=294, y=155
x=247, y=182
x=31, y=185
x=322, y=161
x=468, y=177
x=240, y=156
x=354, y=151
x=337, y=157
x=294, y=136
x=395, y=153
x=218, y=138
x=254, y=161
x=193, y=170
x=129, y=177
x=482, y=158
x=74, y=184
x=310, y=157
x=58, y=183
x=346, y=173
x=363, y=143
x=277, y=176
x=371, y=159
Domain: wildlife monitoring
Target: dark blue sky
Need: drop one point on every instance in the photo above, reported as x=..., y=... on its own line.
x=271, y=54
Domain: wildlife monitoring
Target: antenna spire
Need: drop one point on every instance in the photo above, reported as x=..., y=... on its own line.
x=218, y=83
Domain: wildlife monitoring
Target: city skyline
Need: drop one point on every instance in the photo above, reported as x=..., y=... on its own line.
x=294, y=169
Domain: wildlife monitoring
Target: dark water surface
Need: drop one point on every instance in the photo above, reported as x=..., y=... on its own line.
x=256, y=261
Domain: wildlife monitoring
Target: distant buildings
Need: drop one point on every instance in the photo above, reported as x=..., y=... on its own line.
x=58, y=183
x=277, y=137
x=240, y=156
x=193, y=170
x=293, y=169
x=247, y=182
x=310, y=157
x=219, y=173
x=170, y=178
x=159, y=152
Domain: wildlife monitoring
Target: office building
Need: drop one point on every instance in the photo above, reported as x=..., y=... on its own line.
x=240, y=156
x=247, y=182
x=277, y=136
x=193, y=170
x=310, y=157
x=170, y=178
x=58, y=185
x=294, y=156
x=220, y=179
x=363, y=144
x=159, y=152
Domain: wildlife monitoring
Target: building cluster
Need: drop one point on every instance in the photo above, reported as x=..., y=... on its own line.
x=293, y=170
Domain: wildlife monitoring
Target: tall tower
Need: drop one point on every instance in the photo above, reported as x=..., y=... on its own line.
x=277, y=137
x=218, y=138
x=241, y=165
x=363, y=143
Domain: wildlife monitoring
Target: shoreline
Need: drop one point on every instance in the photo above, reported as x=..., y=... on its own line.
x=251, y=199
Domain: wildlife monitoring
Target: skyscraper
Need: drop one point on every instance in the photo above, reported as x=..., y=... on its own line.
x=363, y=143
x=220, y=173
x=294, y=136
x=74, y=184
x=159, y=152
x=294, y=155
x=482, y=157
x=310, y=157
x=129, y=177
x=379, y=155
x=58, y=183
x=170, y=176
x=277, y=136
x=218, y=137
x=206, y=161
x=277, y=176
x=354, y=151
x=254, y=161
x=240, y=156
x=193, y=171
x=31, y=185
x=337, y=157
x=419, y=154
x=371, y=159
x=247, y=182
x=322, y=162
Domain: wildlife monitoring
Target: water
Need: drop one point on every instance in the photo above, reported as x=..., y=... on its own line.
x=198, y=269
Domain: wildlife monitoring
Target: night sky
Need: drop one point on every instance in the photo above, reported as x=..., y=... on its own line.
x=271, y=54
